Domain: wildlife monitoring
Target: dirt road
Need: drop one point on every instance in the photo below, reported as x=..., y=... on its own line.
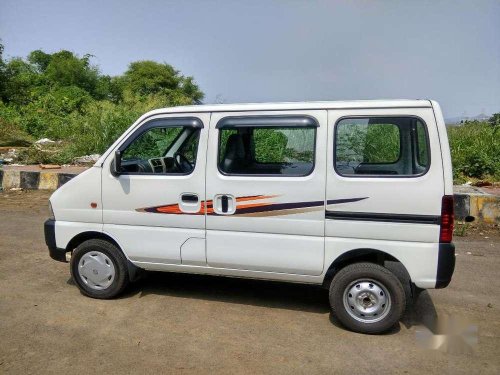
x=196, y=324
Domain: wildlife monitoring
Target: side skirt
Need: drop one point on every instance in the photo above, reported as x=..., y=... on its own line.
x=226, y=272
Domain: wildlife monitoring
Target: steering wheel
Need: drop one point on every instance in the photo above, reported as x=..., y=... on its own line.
x=182, y=163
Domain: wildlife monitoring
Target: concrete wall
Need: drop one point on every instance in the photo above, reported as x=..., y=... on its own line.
x=483, y=207
x=33, y=180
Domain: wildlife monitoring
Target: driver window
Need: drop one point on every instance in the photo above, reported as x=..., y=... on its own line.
x=151, y=144
x=190, y=148
x=162, y=150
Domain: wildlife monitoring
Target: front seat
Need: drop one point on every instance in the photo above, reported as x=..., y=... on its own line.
x=234, y=160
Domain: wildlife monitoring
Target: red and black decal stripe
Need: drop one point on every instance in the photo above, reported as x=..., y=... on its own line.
x=345, y=200
x=205, y=207
x=243, y=208
x=269, y=207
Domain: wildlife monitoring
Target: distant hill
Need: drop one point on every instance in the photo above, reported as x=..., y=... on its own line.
x=459, y=119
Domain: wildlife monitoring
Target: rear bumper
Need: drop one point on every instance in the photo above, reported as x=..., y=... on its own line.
x=55, y=253
x=446, y=265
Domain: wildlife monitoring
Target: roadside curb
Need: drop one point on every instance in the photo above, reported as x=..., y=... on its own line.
x=31, y=180
x=483, y=207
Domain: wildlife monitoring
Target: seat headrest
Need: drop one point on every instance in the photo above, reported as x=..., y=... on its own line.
x=235, y=147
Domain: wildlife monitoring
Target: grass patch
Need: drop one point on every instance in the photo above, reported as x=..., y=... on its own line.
x=475, y=151
x=12, y=136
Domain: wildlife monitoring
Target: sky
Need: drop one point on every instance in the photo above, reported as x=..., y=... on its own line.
x=260, y=51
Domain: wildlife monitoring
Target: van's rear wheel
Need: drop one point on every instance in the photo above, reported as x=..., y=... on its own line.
x=367, y=298
x=99, y=269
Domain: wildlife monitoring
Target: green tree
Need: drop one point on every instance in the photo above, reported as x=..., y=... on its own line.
x=191, y=90
x=65, y=97
x=149, y=77
x=40, y=60
x=19, y=81
x=66, y=69
x=494, y=120
x=146, y=77
x=3, y=76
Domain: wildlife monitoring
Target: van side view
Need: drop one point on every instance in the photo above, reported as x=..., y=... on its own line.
x=355, y=196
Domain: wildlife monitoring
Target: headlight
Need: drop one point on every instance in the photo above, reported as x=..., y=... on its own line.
x=51, y=212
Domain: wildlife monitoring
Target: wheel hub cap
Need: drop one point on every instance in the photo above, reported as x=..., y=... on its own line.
x=367, y=300
x=96, y=270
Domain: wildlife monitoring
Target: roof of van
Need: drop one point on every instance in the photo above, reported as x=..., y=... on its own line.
x=356, y=104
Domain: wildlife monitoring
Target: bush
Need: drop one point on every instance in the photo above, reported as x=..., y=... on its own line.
x=64, y=97
x=477, y=165
x=11, y=135
x=475, y=150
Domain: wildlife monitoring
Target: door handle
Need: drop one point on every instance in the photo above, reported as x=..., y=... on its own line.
x=189, y=198
x=224, y=204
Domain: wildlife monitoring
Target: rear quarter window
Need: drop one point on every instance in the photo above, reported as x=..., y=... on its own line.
x=381, y=146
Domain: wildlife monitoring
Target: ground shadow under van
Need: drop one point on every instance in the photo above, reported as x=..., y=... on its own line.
x=422, y=312
x=298, y=297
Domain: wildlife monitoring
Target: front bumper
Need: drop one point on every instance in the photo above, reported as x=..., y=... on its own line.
x=55, y=252
x=446, y=265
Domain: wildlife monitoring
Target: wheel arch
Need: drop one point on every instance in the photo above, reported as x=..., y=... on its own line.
x=90, y=235
x=133, y=270
x=373, y=256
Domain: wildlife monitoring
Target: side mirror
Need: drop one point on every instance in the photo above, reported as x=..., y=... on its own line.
x=116, y=167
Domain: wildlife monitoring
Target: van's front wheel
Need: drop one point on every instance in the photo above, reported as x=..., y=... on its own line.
x=99, y=269
x=367, y=298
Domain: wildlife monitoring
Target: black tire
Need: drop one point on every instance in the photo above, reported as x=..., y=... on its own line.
x=402, y=274
x=121, y=276
x=378, y=274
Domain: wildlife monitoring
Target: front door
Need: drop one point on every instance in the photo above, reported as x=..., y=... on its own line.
x=266, y=191
x=153, y=207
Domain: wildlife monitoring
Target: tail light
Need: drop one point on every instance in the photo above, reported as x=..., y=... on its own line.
x=447, y=219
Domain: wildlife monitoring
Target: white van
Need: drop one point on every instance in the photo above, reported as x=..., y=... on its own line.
x=356, y=196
